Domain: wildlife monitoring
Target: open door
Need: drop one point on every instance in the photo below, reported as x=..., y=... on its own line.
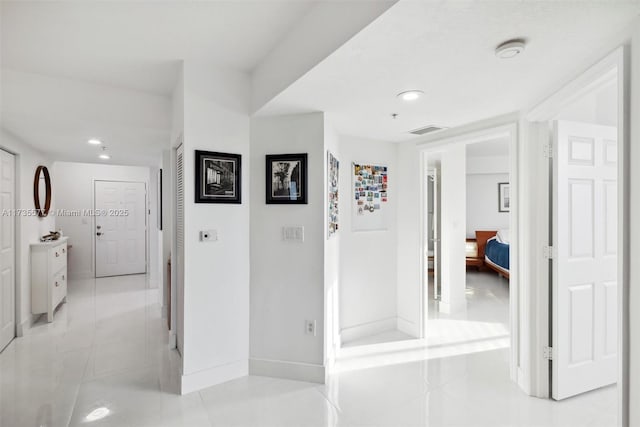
x=585, y=285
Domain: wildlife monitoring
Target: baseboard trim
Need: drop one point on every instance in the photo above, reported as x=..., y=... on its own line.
x=453, y=307
x=353, y=333
x=289, y=370
x=408, y=327
x=21, y=328
x=213, y=376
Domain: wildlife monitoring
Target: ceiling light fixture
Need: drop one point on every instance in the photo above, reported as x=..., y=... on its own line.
x=510, y=49
x=94, y=141
x=410, y=95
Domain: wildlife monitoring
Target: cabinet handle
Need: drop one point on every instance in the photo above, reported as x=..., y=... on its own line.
x=57, y=254
x=63, y=277
x=64, y=251
x=57, y=284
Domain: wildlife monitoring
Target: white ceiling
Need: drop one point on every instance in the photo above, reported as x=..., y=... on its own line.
x=136, y=44
x=446, y=49
x=72, y=70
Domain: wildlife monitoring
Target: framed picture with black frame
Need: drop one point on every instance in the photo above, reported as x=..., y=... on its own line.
x=218, y=177
x=504, y=197
x=286, y=179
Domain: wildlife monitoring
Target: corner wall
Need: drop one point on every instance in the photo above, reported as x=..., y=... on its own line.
x=216, y=274
x=287, y=278
x=368, y=260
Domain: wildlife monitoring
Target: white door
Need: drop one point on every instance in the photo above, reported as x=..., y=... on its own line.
x=121, y=223
x=7, y=250
x=585, y=301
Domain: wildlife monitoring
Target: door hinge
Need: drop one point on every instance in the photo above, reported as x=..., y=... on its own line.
x=547, y=252
x=547, y=151
x=547, y=353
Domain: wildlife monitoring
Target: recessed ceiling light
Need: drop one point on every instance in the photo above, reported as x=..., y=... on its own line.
x=410, y=95
x=510, y=49
x=104, y=156
x=94, y=141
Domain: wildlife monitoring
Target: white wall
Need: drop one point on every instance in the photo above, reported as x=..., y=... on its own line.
x=73, y=189
x=28, y=228
x=216, y=278
x=287, y=278
x=409, y=240
x=482, y=203
x=453, y=199
x=368, y=260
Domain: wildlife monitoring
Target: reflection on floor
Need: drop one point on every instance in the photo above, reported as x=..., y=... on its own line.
x=484, y=325
x=104, y=362
x=382, y=337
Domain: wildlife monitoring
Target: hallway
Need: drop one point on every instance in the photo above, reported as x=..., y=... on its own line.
x=104, y=360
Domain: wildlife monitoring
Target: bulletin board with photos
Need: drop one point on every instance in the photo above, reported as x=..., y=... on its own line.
x=370, y=197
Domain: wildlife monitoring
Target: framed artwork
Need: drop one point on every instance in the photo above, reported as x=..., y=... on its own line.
x=370, y=197
x=332, y=200
x=504, y=197
x=218, y=177
x=286, y=179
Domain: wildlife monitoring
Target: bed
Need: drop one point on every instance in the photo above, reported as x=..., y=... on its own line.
x=496, y=253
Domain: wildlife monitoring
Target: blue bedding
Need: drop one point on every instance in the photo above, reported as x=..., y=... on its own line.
x=498, y=253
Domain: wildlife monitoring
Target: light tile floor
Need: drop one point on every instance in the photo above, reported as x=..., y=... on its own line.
x=105, y=362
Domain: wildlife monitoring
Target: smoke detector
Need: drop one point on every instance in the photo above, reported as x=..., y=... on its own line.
x=510, y=49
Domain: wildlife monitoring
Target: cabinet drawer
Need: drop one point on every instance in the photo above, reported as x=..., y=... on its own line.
x=58, y=257
x=59, y=287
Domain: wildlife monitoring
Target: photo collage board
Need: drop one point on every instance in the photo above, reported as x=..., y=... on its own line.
x=370, y=189
x=333, y=179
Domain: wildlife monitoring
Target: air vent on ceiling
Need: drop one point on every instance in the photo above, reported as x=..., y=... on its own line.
x=426, y=129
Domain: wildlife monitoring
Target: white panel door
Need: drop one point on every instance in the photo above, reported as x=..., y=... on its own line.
x=7, y=249
x=121, y=224
x=585, y=285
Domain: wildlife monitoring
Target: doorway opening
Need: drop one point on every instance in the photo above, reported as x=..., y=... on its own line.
x=469, y=243
x=584, y=305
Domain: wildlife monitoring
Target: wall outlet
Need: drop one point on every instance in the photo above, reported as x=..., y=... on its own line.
x=208, y=235
x=310, y=327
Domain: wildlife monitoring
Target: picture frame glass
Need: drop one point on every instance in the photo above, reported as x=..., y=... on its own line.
x=218, y=177
x=286, y=178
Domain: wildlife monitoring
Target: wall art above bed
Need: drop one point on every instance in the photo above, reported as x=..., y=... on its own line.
x=370, y=197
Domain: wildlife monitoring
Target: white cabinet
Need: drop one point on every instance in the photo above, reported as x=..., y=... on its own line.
x=48, y=276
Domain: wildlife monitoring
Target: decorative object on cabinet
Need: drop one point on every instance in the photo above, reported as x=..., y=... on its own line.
x=218, y=177
x=333, y=178
x=286, y=179
x=42, y=190
x=53, y=235
x=48, y=276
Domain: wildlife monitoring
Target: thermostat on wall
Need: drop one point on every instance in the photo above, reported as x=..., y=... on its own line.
x=208, y=235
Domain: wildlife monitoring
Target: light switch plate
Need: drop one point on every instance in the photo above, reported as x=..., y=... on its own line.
x=293, y=233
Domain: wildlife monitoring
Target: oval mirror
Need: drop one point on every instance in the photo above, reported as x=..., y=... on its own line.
x=42, y=191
